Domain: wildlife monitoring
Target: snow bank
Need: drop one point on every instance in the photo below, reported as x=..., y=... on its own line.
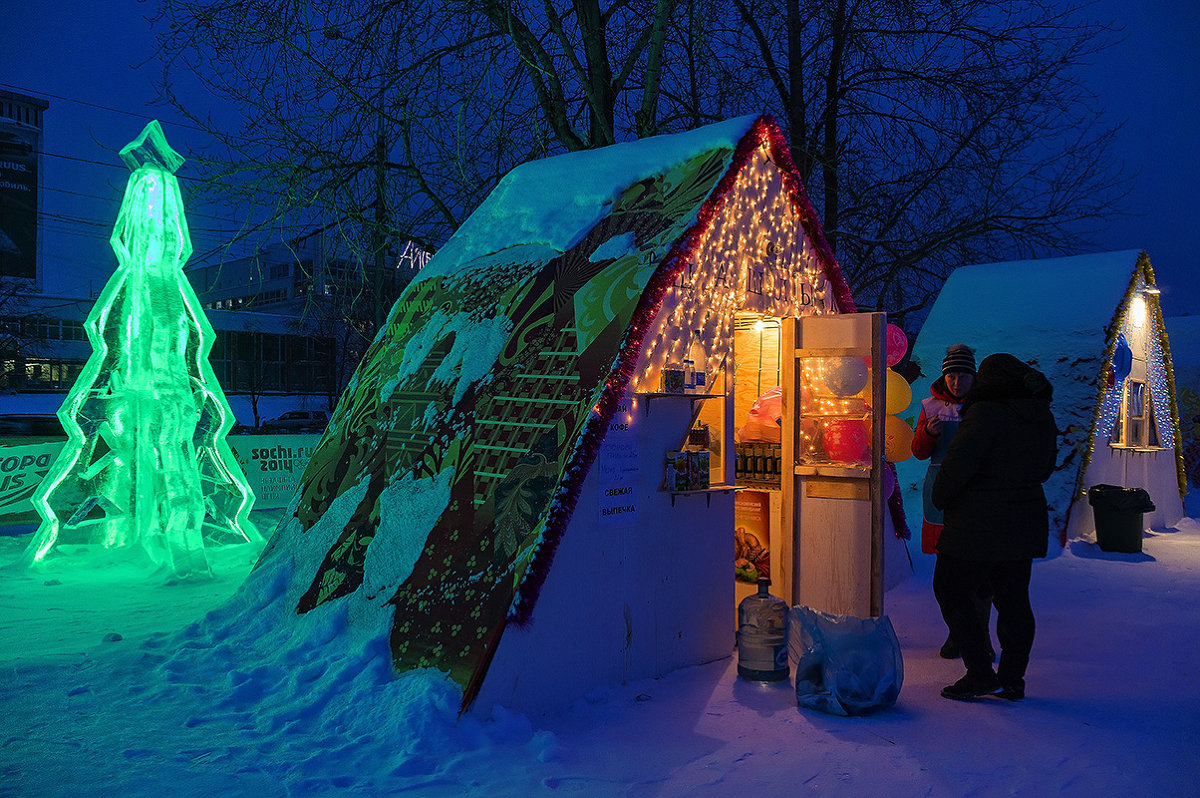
x=196, y=712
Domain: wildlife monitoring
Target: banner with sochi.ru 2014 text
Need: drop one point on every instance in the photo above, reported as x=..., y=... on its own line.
x=273, y=465
x=22, y=469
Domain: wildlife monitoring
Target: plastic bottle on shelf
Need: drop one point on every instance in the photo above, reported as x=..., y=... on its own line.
x=699, y=360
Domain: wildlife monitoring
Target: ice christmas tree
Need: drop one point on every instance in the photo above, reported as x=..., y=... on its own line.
x=146, y=467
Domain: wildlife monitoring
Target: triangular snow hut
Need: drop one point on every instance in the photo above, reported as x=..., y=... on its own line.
x=1092, y=324
x=458, y=466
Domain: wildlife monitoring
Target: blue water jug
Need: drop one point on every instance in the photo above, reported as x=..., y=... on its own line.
x=762, y=636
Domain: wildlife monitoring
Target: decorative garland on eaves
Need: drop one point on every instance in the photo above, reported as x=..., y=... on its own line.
x=764, y=131
x=1145, y=272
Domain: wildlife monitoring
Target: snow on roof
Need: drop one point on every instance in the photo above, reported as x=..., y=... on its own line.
x=1051, y=313
x=1027, y=305
x=555, y=201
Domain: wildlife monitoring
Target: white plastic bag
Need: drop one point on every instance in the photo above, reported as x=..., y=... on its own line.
x=844, y=665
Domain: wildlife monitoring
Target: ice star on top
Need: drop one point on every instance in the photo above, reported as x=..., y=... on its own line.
x=151, y=147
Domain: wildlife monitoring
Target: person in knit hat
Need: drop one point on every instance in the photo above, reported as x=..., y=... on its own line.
x=940, y=415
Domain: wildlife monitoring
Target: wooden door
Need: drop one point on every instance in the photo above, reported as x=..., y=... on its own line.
x=833, y=433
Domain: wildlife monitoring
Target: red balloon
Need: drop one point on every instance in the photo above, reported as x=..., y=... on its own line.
x=846, y=440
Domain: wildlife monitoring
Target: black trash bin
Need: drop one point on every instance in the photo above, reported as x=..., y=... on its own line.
x=1118, y=513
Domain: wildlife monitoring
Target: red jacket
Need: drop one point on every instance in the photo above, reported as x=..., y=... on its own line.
x=940, y=399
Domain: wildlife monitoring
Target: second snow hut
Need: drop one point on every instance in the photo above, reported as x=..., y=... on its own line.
x=1092, y=324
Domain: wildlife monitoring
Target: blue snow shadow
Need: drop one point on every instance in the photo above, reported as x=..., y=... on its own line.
x=765, y=698
x=1081, y=548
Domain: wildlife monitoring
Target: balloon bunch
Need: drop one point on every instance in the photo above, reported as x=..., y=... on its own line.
x=846, y=440
x=849, y=439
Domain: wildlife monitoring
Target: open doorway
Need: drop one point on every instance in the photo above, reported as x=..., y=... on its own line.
x=757, y=410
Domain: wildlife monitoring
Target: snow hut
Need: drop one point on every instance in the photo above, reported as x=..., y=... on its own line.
x=1092, y=324
x=492, y=495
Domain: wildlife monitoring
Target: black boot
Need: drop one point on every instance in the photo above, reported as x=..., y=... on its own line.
x=973, y=685
x=1012, y=691
x=949, y=649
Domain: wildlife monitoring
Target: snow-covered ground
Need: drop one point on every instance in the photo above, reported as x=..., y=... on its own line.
x=172, y=708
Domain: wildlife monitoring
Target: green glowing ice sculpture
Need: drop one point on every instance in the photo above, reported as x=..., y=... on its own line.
x=146, y=467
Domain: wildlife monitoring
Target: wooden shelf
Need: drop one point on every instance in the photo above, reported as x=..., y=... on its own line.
x=860, y=416
x=834, y=351
x=692, y=396
x=831, y=470
x=760, y=484
x=707, y=492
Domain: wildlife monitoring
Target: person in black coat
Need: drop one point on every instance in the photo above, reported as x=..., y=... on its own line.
x=994, y=510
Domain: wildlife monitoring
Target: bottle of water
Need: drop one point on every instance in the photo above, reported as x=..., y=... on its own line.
x=699, y=361
x=762, y=637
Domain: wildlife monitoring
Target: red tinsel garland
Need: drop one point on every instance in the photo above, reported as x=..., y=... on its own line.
x=764, y=129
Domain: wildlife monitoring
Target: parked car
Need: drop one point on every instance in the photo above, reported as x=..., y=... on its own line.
x=297, y=421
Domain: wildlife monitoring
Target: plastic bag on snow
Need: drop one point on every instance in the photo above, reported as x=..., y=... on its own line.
x=844, y=665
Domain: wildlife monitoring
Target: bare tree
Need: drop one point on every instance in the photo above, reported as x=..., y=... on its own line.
x=595, y=69
x=356, y=114
x=930, y=134
x=343, y=328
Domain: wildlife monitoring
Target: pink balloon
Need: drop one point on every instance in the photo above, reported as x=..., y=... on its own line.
x=897, y=344
x=763, y=424
x=769, y=405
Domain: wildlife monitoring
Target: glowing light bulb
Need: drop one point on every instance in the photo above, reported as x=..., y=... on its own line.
x=1137, y=311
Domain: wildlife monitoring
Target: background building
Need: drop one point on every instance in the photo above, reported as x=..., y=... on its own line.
x=285, y=277
x=20, y=161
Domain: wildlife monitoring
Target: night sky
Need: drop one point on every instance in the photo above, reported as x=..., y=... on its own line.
x=84, y=57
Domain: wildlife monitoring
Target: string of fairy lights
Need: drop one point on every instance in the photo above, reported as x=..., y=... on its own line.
x=755, y=257
x=1139, y=318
